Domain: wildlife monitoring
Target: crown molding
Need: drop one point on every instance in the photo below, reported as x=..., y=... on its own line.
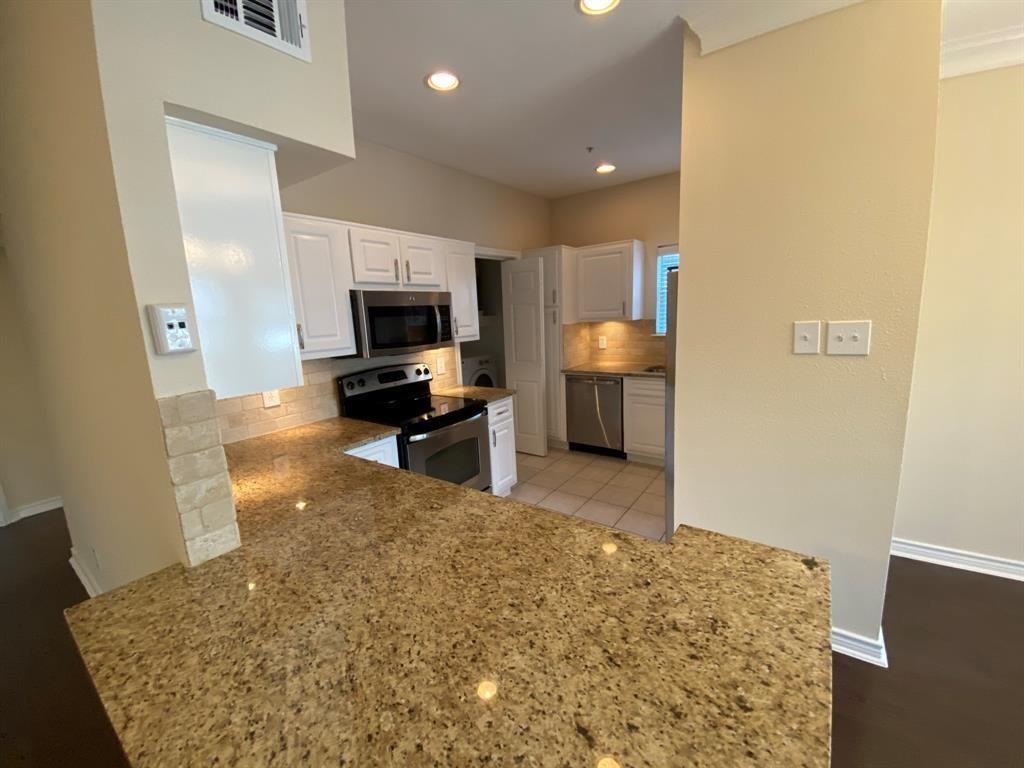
x=984, y=51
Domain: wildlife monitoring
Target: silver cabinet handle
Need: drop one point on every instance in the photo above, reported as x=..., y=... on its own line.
x=408, y=272
x=456, y=323
x=494, y=439
x=302, y=340
x=623, y=309
x=554, y=318
x=397, y=276
x=554, y=296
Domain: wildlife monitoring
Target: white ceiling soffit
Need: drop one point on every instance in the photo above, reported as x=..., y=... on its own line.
x=978, y=35
x=540, y=82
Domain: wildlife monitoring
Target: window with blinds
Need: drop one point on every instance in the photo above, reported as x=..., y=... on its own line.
x=668, y=259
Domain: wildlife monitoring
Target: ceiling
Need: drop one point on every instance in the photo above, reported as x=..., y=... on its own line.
x=541, y=82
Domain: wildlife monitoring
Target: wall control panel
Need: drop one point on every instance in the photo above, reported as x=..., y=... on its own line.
x=849, y=337
x=806, y=337
x=172, y=328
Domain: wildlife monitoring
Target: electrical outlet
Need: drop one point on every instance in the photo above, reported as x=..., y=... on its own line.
x=440, y=366
x=272, y=398
x=602, y=342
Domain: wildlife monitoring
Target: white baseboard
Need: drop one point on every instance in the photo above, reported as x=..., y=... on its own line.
x=85, y=575
x=959, y=558
x=860, y=647
x=35, y=508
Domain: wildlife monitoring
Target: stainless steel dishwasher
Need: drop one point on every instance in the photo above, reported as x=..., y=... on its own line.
x=593, y=406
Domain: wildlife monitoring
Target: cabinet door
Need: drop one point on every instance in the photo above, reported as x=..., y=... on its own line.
x=321, y=269
x=552, y=270
x=503, y=447
x=602, y=274
x=644, y=416
x=422, y=262
x=375, y=256
x=553, y=369
x=382, y=452
x=462, y=286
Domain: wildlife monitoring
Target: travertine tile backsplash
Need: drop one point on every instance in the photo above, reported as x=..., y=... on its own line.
x=628, y=342
x=242, y=417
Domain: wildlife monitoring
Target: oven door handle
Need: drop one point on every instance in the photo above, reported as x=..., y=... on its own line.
x=449, y=428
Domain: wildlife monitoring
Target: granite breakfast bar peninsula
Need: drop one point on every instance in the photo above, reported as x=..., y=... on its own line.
x=374, y=617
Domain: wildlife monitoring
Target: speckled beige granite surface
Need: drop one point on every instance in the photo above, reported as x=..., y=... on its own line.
x=490, y=394
x=355, y=632
x=616, y=369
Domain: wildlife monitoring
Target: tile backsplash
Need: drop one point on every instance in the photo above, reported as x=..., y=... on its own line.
x=628, y=342
x=243, y=417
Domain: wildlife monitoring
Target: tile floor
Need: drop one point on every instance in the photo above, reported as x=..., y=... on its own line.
x=620, y=494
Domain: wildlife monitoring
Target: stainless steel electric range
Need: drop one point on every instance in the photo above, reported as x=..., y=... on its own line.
x=443, y=437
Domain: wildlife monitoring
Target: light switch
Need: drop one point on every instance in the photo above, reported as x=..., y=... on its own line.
x=171, y=327
x=849, y=337
x=806, y=337
x=440, y=366
x=602, y=342
x=272, y=398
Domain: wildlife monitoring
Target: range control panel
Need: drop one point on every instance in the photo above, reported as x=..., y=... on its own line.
x=385, y=378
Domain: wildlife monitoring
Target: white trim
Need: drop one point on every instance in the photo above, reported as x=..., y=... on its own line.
x=860, y=647
x=218, y=132
x=959, y=558
x=984, y=51
x=27, y=510
x=500, y=254
x=88, y=579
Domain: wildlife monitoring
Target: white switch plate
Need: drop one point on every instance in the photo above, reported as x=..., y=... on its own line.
x=849, y=337
x=272, y=398
x=602, y=342
x=440, y=366
x=806, y=337
x=171, y=327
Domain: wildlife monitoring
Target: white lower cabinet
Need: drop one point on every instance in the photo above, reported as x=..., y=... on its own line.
x=643, y=416
x=502, y=428
x=383, y=451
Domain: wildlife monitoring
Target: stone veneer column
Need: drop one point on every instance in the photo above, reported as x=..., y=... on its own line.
x=199, y=471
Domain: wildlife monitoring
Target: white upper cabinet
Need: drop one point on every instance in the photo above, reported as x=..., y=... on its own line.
x=609, y=281
x=321, y=271
x=559, y=279
x=376, y=256
x=423, y=262
x=461, y=270
x=230, y=212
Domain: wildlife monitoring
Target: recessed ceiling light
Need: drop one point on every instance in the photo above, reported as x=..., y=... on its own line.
x=597, y=7
x=605, y=168
x=442, y=80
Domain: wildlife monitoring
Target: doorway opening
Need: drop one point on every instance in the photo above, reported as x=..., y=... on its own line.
x=483, y=360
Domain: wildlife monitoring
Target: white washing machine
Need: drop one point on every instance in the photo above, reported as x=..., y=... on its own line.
x=479, y=372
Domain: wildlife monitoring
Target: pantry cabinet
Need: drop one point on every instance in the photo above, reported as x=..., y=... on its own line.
x=321, y=272
x=609, y=281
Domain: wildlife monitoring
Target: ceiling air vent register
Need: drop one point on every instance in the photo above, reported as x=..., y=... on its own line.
x=281, y=24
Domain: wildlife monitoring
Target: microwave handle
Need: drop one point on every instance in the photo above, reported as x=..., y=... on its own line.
x=437, y=319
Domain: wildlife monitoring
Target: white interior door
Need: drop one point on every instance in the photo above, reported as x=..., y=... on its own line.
x=522, y=292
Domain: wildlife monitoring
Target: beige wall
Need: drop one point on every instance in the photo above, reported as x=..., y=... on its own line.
x=806, y=176
x=69, y=266
x=156, y=54
x=646, y=210
x=27, y=470
x=389, y=188
x=963, y=465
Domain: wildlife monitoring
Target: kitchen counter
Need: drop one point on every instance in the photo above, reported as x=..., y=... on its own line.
x=490, y=394
x=616, y=369
x=358, y=630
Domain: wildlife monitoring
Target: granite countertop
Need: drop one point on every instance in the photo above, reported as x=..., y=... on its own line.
x=617, y=369
x=490, y=394
x=359, y=629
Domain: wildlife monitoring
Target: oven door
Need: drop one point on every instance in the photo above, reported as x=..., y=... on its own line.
x=458, y=453
x=400, y=322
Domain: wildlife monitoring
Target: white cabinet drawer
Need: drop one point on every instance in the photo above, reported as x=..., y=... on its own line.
x=381, y=451
x=500, y=411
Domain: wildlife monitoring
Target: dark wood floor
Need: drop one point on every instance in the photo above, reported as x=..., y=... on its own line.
x=953, y=696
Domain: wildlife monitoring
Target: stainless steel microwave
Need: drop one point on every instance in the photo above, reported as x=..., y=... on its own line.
x=399, y=322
